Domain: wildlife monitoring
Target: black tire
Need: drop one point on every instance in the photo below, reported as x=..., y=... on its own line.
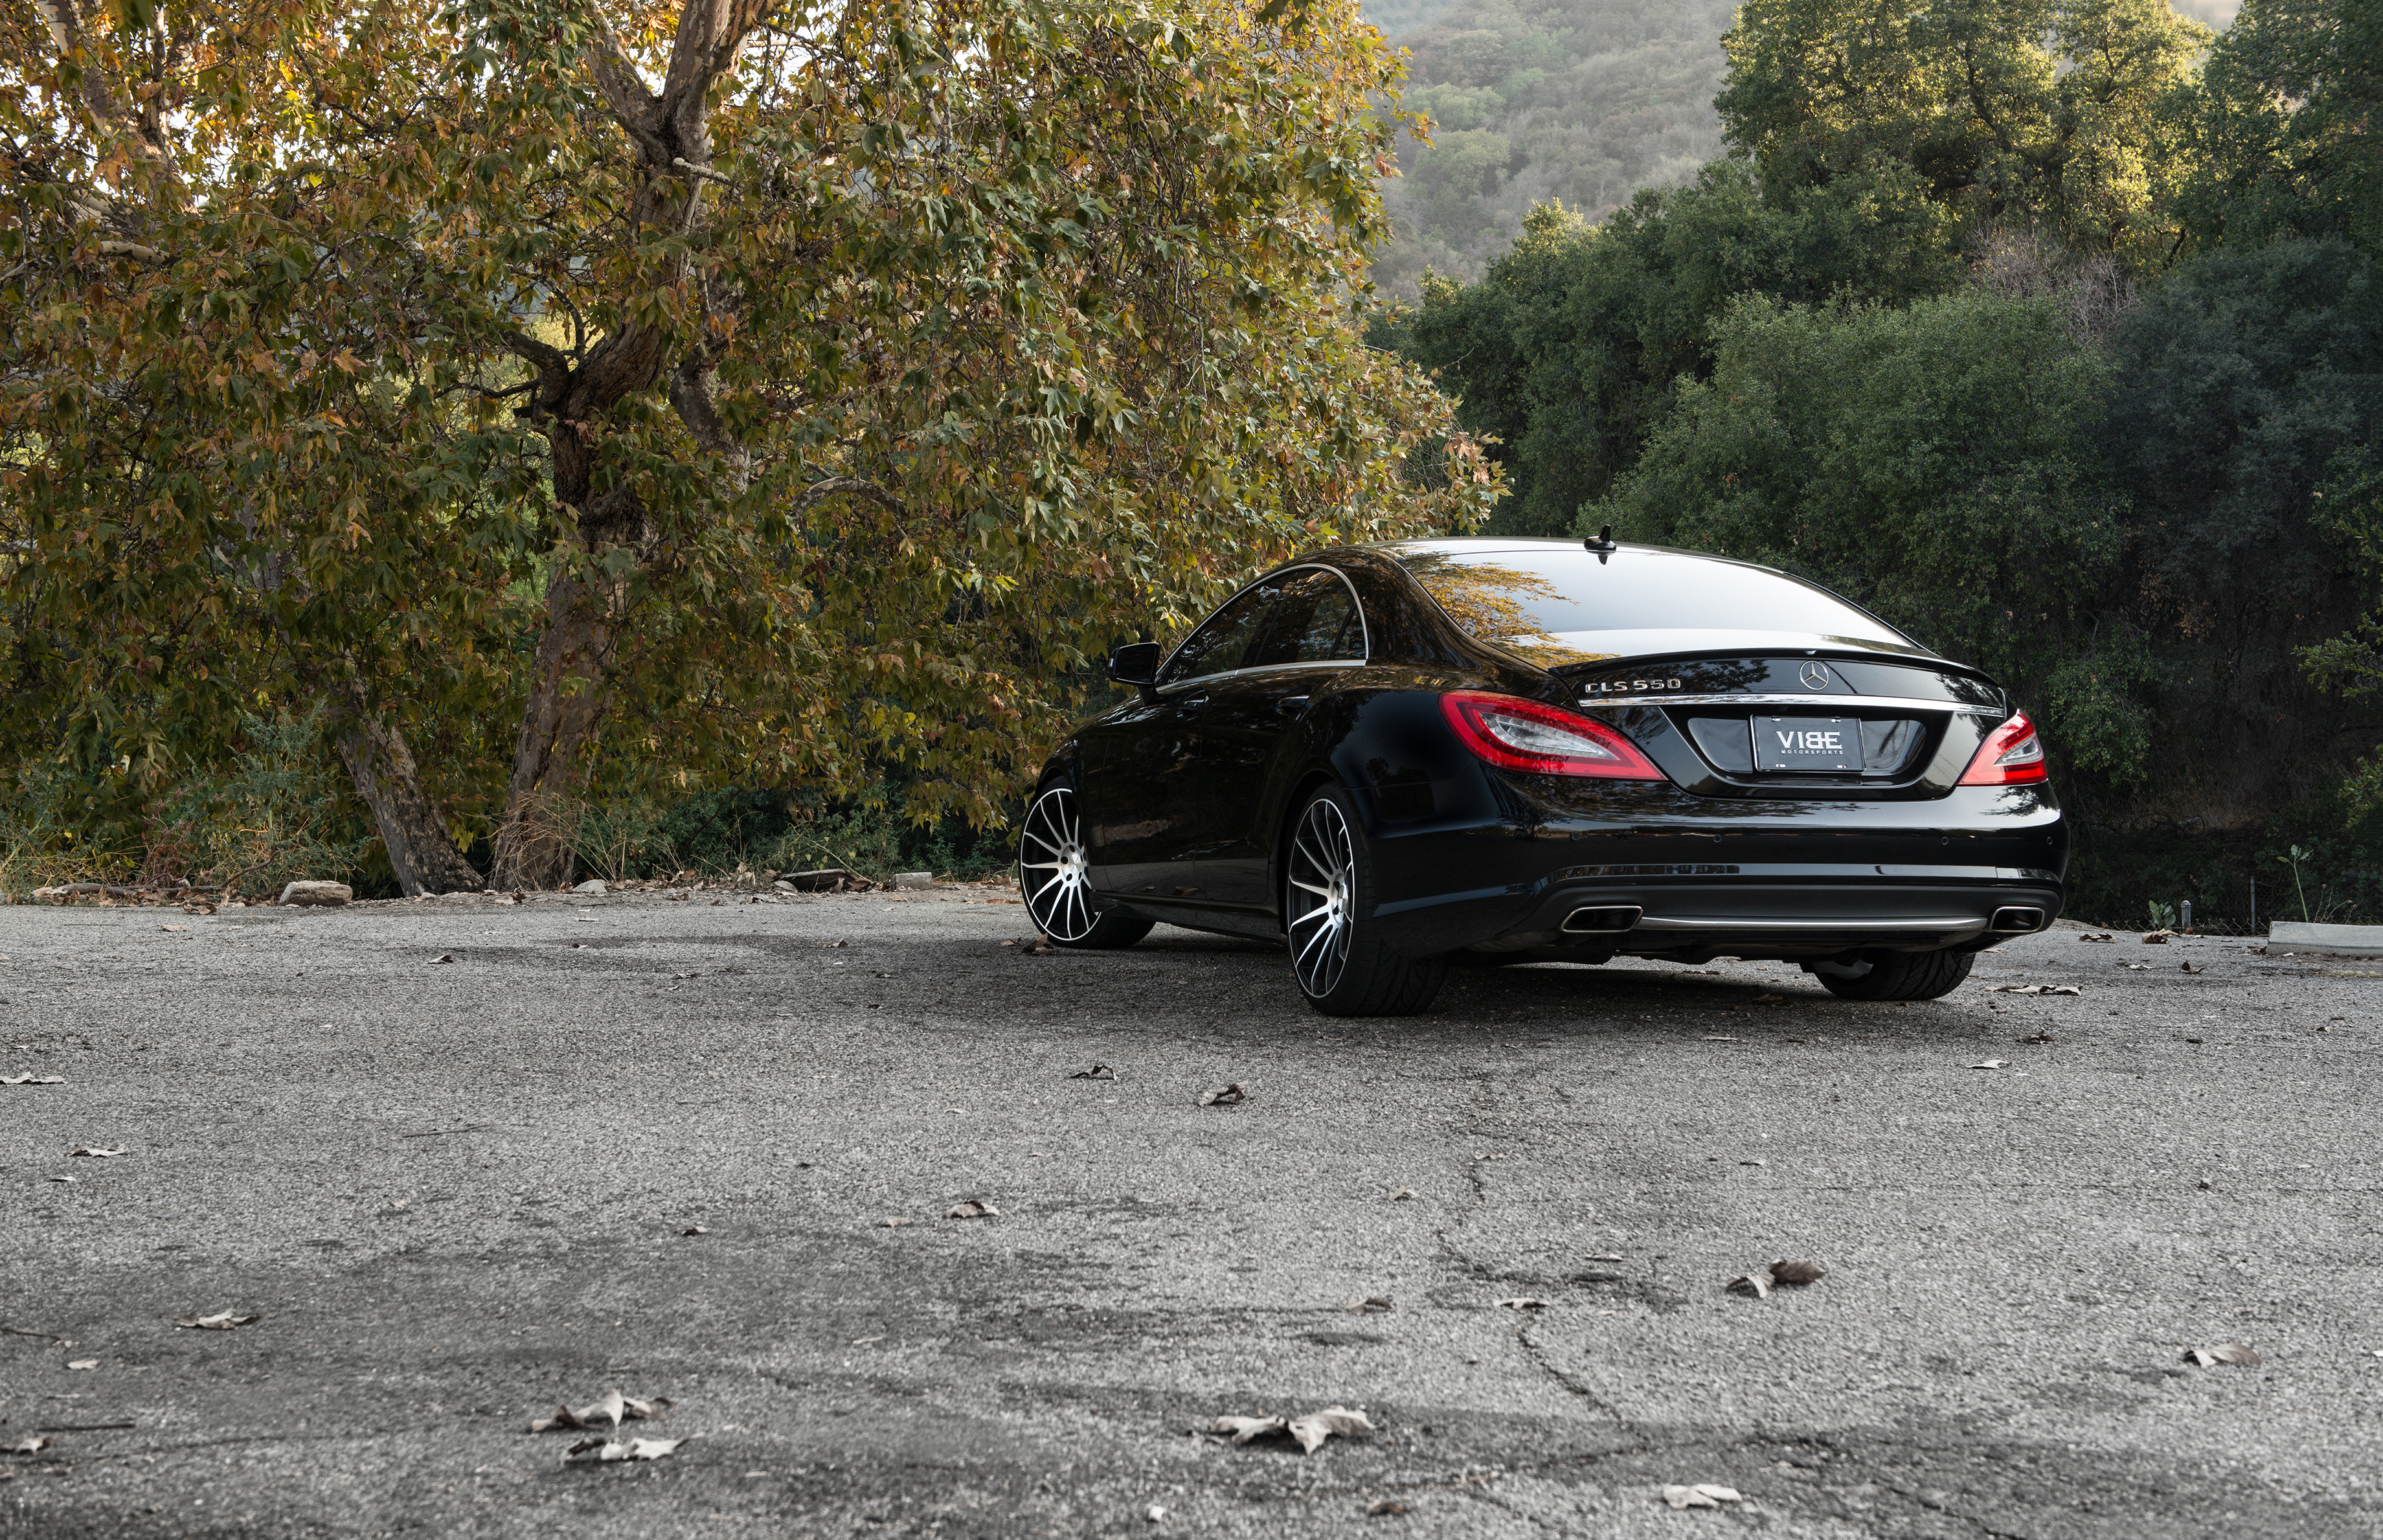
x=1341, y=963
x=1896, y=975
x=1053, y=878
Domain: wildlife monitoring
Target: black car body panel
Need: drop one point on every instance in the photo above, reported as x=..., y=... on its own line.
x=1190, y=789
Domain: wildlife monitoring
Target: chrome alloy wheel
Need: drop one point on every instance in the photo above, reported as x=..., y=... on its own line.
x=1054, y=866
x=1323, y=897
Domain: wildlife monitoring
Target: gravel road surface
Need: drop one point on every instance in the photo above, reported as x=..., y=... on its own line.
x=450, y=1154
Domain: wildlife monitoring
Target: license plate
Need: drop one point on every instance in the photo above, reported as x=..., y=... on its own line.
x=1807, y=743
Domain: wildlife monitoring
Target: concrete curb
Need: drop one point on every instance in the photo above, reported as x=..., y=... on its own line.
x=2344, y=940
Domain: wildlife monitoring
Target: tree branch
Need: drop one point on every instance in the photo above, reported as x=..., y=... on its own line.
x=819, y=492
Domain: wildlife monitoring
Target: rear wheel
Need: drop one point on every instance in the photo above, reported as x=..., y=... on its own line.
x=1894, y=975
x=1055, y=874
x=1342, y=964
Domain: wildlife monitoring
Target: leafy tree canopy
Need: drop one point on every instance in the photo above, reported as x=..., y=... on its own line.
x=1567, y=351
x=2279, y=131
x=2007, y=110
x=567, y=397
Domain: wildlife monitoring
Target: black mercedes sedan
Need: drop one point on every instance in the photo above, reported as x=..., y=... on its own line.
x=1390, y=757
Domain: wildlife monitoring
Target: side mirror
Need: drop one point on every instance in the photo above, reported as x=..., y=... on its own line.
x=1136, y=663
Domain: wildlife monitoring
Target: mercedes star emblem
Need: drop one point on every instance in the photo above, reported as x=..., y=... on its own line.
x=1814, y=675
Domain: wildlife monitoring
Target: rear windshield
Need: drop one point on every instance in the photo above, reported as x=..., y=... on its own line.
x=1557, y=605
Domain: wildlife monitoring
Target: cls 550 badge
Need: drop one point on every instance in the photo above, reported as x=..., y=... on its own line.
x=1628, y=688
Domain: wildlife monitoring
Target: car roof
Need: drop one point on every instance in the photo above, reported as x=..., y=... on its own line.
x=1483, y=545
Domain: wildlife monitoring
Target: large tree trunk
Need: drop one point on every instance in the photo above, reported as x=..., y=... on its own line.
x=569, y=683
x=569, y=678
x=420, y=851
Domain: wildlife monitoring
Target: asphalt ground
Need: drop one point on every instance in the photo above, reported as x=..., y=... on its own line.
x=456, y=1194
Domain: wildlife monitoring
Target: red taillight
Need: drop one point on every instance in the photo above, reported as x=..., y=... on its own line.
x=2011, y=756
x=1524, y=735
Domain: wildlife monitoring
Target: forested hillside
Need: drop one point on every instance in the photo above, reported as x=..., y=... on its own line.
x=1579, y=101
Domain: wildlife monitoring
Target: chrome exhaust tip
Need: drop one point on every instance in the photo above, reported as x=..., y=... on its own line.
x=2016, y=920
x=1609, y=919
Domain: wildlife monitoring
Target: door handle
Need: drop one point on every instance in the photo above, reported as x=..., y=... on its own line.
x=1190, y=703
x=1291, y=706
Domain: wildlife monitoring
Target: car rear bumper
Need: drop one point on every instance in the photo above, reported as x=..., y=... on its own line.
x=1653, y=872
x=1801, y=913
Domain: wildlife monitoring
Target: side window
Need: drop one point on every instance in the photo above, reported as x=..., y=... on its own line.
x=1317, y=622
x=1221, y=645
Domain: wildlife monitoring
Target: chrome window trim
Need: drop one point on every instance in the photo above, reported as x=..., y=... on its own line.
x=1263, y=668
x=1364, y=628
x=1899, y=703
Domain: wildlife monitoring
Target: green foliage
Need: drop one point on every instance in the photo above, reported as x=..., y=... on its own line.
x=2238, y=388
x=2350, y=514
x=2011, y=111
x=733, y=828
x=1567, y=352
x=868, y=835
x=274, y=813
x=2278, y=134
x=55, y=828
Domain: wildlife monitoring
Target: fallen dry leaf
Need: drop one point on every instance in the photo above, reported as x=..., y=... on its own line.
x=221, y=1321
x=1386, y=1507
x=610, y=1411
x=26, y=1446
x=1317, y=1426
x=648, y=1448
x=695, y=1229
x=442, y=957
x=892, y=1224
x=2225, y=1352
x=1991, y=1064
x=1242, y=1429
x=1756, y=1284
x=82, y=1363
x=1038, y=946
x=972, y=1209
x=2032, y=989
x=2191, y=968
x=1770, y=999
x=2156, y=938
x=1231, y=1096
x=173, y=928
x=600, y=1451
x=1098, y=1072
x=1702, y=1495
x=2099, y=936
x=30, y=1078
x=1372, y=1304
x=96, y=1151
x=1796, y=1274
x=1522, y=1301
x=2035, y=1037
x=1402, y=1194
